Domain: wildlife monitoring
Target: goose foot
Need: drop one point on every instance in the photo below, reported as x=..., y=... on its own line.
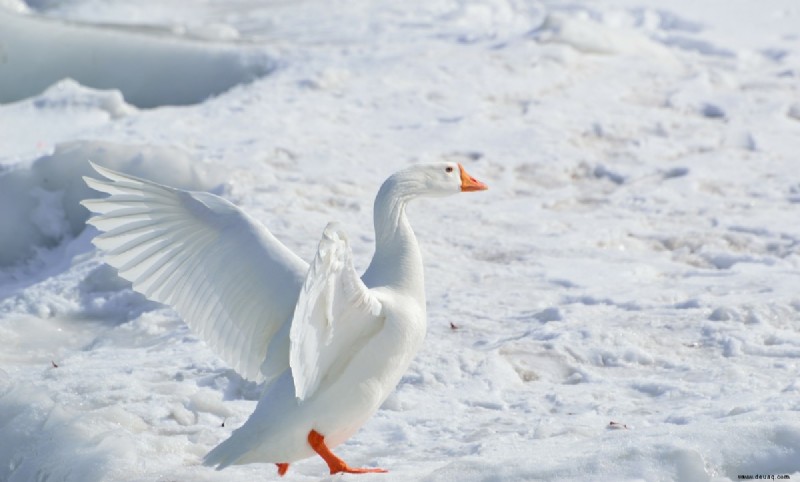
x=282, y=468
x=317, y=442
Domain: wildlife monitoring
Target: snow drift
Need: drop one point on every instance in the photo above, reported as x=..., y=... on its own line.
x=150, y=69
x=39, y=203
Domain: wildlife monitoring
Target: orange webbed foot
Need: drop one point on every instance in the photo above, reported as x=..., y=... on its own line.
x=282, y=468
x=361, y=470
x=337, y=465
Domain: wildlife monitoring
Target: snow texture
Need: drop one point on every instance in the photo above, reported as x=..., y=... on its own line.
x=622, y=304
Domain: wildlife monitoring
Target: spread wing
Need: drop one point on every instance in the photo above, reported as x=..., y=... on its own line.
x=227, y=276
x=335, y=315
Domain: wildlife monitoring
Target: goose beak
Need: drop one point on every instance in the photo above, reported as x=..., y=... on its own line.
x=469, y=183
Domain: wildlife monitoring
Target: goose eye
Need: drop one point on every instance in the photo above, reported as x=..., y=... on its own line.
x=448, y=169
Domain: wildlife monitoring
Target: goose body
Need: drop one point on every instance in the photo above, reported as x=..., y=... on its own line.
x=329, y=345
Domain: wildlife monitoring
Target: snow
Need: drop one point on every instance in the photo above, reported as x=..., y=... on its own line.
x=43, y=198
x=150, y=70
x=635, y=260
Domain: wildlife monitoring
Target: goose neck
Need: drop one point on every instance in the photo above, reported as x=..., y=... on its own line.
x=397, y=262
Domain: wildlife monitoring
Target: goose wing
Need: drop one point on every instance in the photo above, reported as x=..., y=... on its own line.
x=336, y=315
x=226, y=275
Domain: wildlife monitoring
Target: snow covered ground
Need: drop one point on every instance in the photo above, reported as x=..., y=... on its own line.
x=625, y=296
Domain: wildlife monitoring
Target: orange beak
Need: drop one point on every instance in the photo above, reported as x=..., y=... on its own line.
x=469, y=183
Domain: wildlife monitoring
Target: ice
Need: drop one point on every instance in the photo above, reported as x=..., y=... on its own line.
x=621, y=304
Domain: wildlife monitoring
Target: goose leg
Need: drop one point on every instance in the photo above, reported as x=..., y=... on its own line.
x=282, y=468
x=317, y=442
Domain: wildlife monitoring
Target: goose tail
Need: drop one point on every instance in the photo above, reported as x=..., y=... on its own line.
x=222, y=455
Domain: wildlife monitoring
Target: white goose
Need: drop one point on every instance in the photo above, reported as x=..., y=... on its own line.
x=330, y=346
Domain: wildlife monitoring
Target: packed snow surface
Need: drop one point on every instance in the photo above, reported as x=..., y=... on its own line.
x=622, y=304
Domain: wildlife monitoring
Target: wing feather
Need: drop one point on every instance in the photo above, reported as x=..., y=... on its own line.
x=334, y=312
x=229, y=278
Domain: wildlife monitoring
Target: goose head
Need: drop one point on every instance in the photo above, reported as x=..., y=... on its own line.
x=433, y=180
x=398, y=261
